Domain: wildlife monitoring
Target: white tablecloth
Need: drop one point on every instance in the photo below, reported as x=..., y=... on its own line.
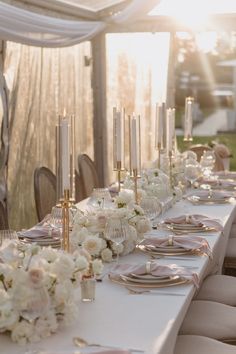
x=149, y=322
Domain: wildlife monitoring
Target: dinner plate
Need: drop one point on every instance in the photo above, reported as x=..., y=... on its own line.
x=176, y=249
x=173, y=281
x=153, y=280
x=205, y=200
x=148, y=276
x=168, y=252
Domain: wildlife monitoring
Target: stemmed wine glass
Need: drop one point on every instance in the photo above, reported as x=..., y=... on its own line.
x=116, y=231
x=192, y=171
x=207, y=163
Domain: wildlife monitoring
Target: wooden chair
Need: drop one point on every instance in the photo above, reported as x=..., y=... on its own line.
x=4, y=224
x=199, y=150
x=44, y=191
x=87, y=174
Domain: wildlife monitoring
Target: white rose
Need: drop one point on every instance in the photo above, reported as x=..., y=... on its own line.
x=143, y=225
x=103, y=244
x=97, y=266
x=106, y=255
x=92, y=244
x=45, y=325
x=22, y=332
x=49, y=254
x=79, y=234
x=8, y=316
x=63, y=267
x=64, y=292
x=81, y=263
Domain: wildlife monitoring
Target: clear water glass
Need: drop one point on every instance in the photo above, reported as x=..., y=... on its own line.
x=100, y=198
x=151, y=206
x=207, y=163
x=192, y=171
x=116, y=231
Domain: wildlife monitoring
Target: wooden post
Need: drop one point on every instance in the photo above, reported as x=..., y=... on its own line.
x=99, y=106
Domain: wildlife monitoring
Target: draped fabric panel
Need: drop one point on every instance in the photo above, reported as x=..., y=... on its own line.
x=42, y=82
x=27, y=27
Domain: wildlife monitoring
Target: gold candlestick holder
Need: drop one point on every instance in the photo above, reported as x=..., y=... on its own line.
x=135, y=178
x=65, y=204
x=118, y=169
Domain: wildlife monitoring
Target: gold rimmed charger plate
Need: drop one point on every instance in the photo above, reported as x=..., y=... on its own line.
x=201, y=200
x=173, y=281
x=153, y=280
x=163, y=252
x=190, y=228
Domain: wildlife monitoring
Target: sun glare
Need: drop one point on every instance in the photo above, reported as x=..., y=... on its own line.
x=193, y=14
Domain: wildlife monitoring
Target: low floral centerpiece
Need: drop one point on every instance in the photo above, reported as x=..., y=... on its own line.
x=38, y=289
x=89, y=228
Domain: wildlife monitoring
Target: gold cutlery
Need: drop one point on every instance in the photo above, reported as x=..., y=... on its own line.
x=82, y=343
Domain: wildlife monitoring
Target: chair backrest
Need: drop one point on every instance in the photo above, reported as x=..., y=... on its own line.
x=88, y=175
x=44, y=191
x=4, y=224
x=199, y=150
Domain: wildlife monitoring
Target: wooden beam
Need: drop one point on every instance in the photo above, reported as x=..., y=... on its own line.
x=99, y=106
x=153, y=24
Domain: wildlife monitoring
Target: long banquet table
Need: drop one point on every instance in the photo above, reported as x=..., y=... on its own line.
x=149, y=322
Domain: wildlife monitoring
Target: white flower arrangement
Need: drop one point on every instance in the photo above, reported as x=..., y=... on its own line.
x=89, y=229
x=37, y=289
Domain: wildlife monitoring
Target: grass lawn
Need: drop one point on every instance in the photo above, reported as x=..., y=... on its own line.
x=228, y=139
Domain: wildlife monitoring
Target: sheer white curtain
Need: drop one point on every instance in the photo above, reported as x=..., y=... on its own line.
x=27, y=27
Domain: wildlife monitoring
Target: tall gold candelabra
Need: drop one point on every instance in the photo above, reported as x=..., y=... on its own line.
x=118, y=169
x=65, y=204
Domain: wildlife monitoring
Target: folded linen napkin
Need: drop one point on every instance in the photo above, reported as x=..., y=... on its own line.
x=40, y=231
x=220, y=183
x=154, y=269
x=196, y=220
x=226, y=174
x=194, y=243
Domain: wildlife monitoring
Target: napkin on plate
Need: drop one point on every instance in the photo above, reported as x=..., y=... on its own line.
x=196, y=220
x=40, y=230
x=155, y=269
x=193, y=243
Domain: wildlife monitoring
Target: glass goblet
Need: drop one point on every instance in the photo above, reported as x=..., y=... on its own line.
x=192, y=171
x=116, y=231
x=100, y=198
x=207, y=163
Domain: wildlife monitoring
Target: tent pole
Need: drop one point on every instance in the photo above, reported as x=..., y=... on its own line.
x=99, y=106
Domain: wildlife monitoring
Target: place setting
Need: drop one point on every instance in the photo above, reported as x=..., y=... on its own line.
x=174, y=246
x=151, y=275
x=185, y=224
x=210, y=196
